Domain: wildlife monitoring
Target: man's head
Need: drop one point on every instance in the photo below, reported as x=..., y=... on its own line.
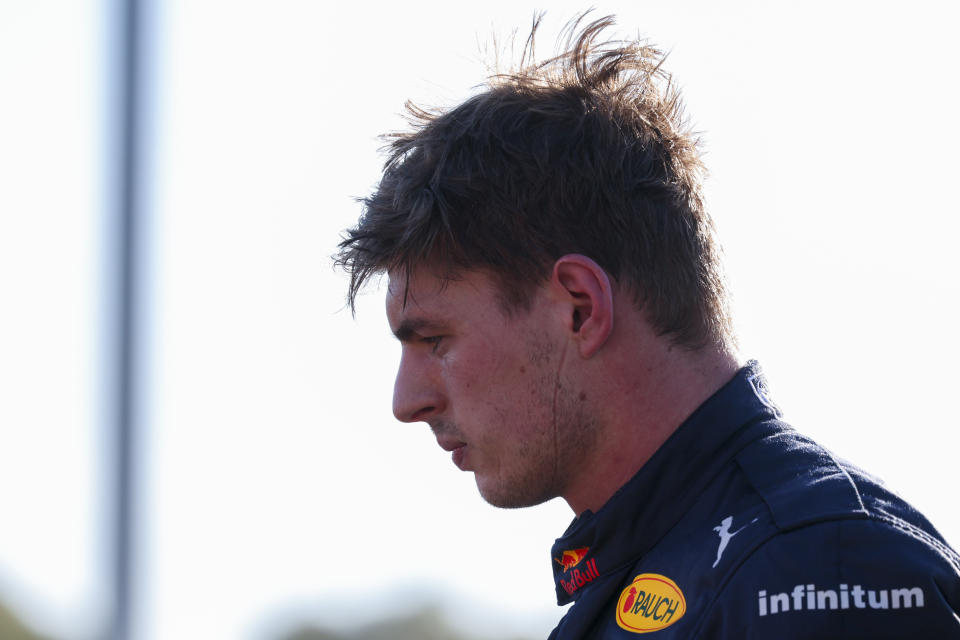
x=514, y=228
x=585, y=153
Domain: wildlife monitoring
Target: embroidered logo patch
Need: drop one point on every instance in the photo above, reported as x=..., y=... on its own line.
x=573, y=579
x=723, y=530
x=650, y=603
x=810, y=598
x=579, y=578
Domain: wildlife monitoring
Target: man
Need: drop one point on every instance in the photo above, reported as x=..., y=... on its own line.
x=556, y=288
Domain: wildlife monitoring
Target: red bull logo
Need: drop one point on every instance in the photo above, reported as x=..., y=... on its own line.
x=569, y=559
x=579, y=578
x=575, y=578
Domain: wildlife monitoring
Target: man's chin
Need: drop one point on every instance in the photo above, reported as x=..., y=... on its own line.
x=508, y=497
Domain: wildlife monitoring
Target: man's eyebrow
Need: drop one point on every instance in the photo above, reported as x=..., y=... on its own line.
x=412, y=327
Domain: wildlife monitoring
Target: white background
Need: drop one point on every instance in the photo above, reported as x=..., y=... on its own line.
x=276, y=486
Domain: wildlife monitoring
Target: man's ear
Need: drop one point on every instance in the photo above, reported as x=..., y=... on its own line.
x=586, y=287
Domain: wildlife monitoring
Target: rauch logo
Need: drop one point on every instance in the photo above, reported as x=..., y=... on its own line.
x=650, y=603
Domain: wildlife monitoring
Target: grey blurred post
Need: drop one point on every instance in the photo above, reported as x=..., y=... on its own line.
x=127, y=172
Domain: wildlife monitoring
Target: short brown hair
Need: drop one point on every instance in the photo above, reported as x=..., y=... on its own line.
x=587, y=152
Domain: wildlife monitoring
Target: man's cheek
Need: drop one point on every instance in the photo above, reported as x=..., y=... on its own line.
x=473, y=373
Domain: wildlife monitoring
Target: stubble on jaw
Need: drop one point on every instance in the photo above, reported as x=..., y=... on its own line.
x=564, y=433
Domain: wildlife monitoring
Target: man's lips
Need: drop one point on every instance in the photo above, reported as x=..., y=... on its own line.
x=458, y=455
x=449, y=444
x=458, y=448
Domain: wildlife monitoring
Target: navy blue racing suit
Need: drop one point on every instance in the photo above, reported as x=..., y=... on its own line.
x=741, y=527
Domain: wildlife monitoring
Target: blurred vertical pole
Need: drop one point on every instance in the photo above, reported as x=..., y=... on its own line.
x=127, y=156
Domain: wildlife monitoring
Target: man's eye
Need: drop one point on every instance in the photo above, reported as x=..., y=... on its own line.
x=434, y=341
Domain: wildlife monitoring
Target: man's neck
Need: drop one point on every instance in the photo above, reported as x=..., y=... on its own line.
x=647, y=392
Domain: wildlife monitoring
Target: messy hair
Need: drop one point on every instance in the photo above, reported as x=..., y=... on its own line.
x=586, y=152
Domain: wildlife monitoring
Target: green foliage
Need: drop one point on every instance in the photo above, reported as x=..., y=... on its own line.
x=427, y=624
x=12, y=629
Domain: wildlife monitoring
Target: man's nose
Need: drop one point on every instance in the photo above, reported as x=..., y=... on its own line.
x=416, y=393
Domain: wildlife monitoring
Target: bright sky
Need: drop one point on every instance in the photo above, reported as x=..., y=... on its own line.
x=276, y=486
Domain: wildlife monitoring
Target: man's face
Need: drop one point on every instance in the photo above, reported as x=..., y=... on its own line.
x=492, y=386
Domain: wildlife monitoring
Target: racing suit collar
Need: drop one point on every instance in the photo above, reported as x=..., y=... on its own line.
x=614, y=538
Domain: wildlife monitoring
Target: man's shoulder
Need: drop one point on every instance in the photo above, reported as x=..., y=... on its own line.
x=833, y=554
x=802, y=483
x=788, y=541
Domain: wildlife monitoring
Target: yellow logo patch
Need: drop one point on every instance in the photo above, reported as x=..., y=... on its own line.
x=650, y=603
